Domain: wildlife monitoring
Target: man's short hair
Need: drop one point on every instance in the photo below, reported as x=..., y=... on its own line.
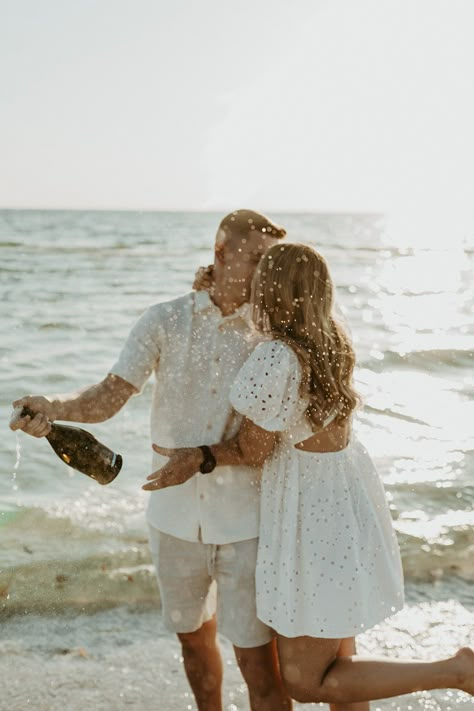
x=247, y=221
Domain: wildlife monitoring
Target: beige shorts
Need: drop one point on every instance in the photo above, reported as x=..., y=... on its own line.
x=198, y=579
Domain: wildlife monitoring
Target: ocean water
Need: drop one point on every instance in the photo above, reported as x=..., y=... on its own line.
x=73, y=283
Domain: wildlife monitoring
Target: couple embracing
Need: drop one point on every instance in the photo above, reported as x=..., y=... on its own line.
x=261, y=493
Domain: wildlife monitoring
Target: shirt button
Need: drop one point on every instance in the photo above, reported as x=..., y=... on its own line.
x=201, y=496
x=217, y=359
x=209, y=427
x=214, y=391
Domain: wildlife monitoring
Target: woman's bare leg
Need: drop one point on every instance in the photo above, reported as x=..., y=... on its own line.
x=346, y=649
x=312, y=672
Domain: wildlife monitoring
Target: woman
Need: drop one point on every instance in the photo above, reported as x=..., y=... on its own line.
x=328, y=564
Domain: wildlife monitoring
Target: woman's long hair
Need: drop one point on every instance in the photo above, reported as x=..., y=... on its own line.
x=292, y=300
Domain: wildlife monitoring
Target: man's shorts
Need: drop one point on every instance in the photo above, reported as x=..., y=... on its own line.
x=198, y=579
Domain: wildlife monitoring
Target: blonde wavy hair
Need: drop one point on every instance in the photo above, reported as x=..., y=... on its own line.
x=292, y=301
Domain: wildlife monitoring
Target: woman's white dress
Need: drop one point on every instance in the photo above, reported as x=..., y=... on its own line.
x=328, y=561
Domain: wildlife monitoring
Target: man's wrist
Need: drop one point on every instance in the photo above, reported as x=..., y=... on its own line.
x=58, y=407
x=208, y=460
x=55, y=408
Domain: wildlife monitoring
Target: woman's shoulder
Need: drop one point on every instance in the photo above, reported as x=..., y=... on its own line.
x=266, y=389
x=274, y=349
x=272, y=361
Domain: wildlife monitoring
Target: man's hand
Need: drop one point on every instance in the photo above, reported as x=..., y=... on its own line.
x=40, y=424
x=183, y=464
x=204, y=279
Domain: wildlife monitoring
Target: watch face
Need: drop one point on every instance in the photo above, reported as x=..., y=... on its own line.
x=209, y=463
x=207, y=467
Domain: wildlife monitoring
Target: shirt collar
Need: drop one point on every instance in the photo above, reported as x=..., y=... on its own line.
x=203, y=302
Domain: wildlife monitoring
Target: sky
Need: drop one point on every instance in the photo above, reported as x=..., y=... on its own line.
x=318, y=105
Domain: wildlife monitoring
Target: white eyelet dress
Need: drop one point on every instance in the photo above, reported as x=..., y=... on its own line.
x=328, y=562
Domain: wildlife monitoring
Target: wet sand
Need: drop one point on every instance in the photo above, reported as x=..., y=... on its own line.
x=122, y=658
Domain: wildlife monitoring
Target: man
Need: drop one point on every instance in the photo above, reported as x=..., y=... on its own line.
x=205, y=530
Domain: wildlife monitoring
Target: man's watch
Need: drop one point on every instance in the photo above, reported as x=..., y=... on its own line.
x=209, y=462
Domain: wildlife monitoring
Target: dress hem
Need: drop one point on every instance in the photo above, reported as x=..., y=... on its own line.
x=324, y=635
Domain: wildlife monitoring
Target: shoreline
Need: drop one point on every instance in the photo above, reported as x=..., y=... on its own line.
x=125, y=576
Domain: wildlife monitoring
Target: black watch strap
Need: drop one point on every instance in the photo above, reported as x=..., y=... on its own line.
x=209, y=462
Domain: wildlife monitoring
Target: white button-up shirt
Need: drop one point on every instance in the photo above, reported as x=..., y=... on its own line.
x=196, y=354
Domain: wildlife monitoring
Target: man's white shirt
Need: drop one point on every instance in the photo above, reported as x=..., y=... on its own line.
x=195, y=353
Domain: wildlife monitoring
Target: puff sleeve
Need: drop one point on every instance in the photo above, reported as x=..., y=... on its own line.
x=267, y=387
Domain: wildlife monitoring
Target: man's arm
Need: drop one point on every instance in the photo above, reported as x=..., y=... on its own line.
x=251, y=446
x=94, y=403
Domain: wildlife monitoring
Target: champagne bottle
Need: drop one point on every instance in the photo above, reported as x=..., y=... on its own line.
x=82, y=451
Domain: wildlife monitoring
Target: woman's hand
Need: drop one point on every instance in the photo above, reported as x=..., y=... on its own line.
x=183, y=464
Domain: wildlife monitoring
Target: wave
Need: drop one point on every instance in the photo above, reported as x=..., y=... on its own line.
x=424, y=359
x=450, y=555
x=432, y=499
x=393, y=413
x=95, y=582
x=58, y=325
x=102, y=581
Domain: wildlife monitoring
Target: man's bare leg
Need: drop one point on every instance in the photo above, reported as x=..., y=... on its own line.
x=203, y=665
x=260, y=669
x=346, y=649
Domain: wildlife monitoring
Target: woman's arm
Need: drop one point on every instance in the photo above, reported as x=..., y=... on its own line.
x=251, y=446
